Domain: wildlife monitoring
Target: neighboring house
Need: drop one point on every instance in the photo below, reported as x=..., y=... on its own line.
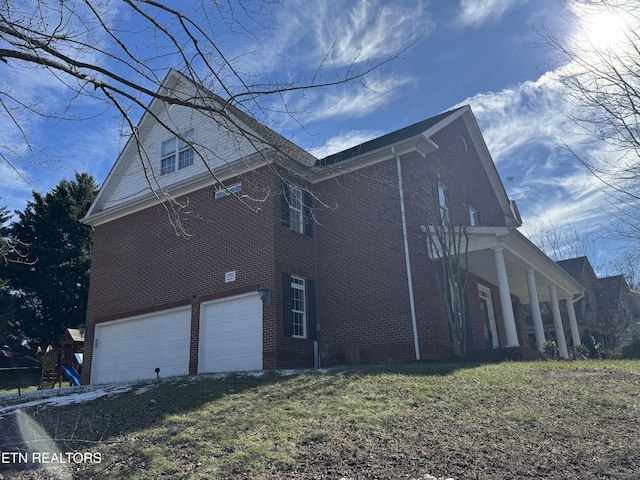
x=586, y=306
x=618, y=314
x=608, y=309
x=277, y=259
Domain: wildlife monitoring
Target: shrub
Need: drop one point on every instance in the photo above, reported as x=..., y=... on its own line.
x=551, y=349
x=582, y=350
x=631, y=350
x=594, y=347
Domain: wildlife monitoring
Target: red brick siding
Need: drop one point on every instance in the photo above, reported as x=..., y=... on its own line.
x=295, y=254
x=139, y=263
x=363, y=295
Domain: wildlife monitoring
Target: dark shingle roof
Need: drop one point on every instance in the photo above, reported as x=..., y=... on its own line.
x=573, y=266
x=388, y=139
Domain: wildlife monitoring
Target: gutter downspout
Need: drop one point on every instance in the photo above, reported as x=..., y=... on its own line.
x=405, y=239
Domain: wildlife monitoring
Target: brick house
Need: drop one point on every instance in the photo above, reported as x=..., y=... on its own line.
x=269, y=257
x=607, y=310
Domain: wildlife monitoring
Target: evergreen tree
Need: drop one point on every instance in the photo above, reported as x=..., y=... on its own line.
x=8, y=338
x=52, y=279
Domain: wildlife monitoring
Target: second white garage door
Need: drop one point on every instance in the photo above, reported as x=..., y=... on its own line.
x=231, y=334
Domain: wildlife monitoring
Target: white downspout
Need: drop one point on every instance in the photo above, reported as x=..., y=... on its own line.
x=405, y=239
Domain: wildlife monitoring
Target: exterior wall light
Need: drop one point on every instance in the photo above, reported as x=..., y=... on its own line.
x=265, y=296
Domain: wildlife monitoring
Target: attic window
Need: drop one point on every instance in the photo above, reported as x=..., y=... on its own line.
x=223, y=192
x=176, y=147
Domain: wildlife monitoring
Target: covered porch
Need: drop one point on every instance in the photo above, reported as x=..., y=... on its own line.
x=503, y=257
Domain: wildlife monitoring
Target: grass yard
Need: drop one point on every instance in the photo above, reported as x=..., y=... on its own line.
x=559, y=420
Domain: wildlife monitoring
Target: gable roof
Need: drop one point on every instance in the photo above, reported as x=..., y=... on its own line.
x=614, y=286
x=417, y=137
x=579, y=268
x=258, y=145
x=114, y=201
x=386, y=140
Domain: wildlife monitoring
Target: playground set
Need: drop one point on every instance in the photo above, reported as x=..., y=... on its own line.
x=64, y=362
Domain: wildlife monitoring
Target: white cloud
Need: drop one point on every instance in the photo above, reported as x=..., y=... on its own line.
x=477, y=12
x=528, y=130
x=351, y=100
x=338, y=34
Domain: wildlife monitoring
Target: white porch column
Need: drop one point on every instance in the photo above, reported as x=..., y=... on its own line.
x=505, y=299
x=575, y=332
x=557, y=322
x=535, y=309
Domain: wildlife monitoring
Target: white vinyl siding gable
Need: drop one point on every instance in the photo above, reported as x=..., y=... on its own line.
x=129, y=180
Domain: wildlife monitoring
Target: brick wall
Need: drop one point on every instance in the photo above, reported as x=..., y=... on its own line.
x=356, y=257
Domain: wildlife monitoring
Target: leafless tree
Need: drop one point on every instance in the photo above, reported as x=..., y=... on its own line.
x=118, y=53
x=561, y=241
x=615, y=317
x=601, y=74
x=447, y=246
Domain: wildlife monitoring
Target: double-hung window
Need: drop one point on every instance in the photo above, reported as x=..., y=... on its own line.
x=296, y=211
x=296, y=217
x=299, y=307
x=176, y=152
x=185, y=152
x=168, y=156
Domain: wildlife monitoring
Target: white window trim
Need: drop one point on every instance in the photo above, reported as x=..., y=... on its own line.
x=179, y=147
x=167, y=156
x=298, y=283
x=296, y=213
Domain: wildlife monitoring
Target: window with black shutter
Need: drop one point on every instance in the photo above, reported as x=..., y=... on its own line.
x=299, y=307
x=296, y=209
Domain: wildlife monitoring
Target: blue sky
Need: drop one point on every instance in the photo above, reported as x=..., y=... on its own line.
x=485, y=53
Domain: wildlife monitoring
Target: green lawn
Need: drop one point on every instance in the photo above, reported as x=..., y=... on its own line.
x=564, y=420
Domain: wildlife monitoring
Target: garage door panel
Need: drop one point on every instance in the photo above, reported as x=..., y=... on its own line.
x=231, y=334
x=133, y=348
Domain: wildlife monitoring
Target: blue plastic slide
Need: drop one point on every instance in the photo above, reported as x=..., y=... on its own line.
x=70, y=373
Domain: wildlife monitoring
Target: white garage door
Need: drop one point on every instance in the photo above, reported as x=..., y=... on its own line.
x=132, y=348
x=231, y=334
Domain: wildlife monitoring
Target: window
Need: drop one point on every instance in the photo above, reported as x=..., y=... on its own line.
x=223, y=192
x=299, y=307
x=175, y=147
x=474, y=217
x=168, y=156
x=296, y=209
x=442, y=203
x=185, y=153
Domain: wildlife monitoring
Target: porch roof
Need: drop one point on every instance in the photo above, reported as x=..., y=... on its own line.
x=520, y=254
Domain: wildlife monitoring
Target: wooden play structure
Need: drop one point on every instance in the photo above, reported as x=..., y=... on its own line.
x=64, y=362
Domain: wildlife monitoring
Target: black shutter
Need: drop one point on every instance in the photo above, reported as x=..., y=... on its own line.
x=308, y=215
x=287, y=305
x=285, y=213
x=312, y=310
